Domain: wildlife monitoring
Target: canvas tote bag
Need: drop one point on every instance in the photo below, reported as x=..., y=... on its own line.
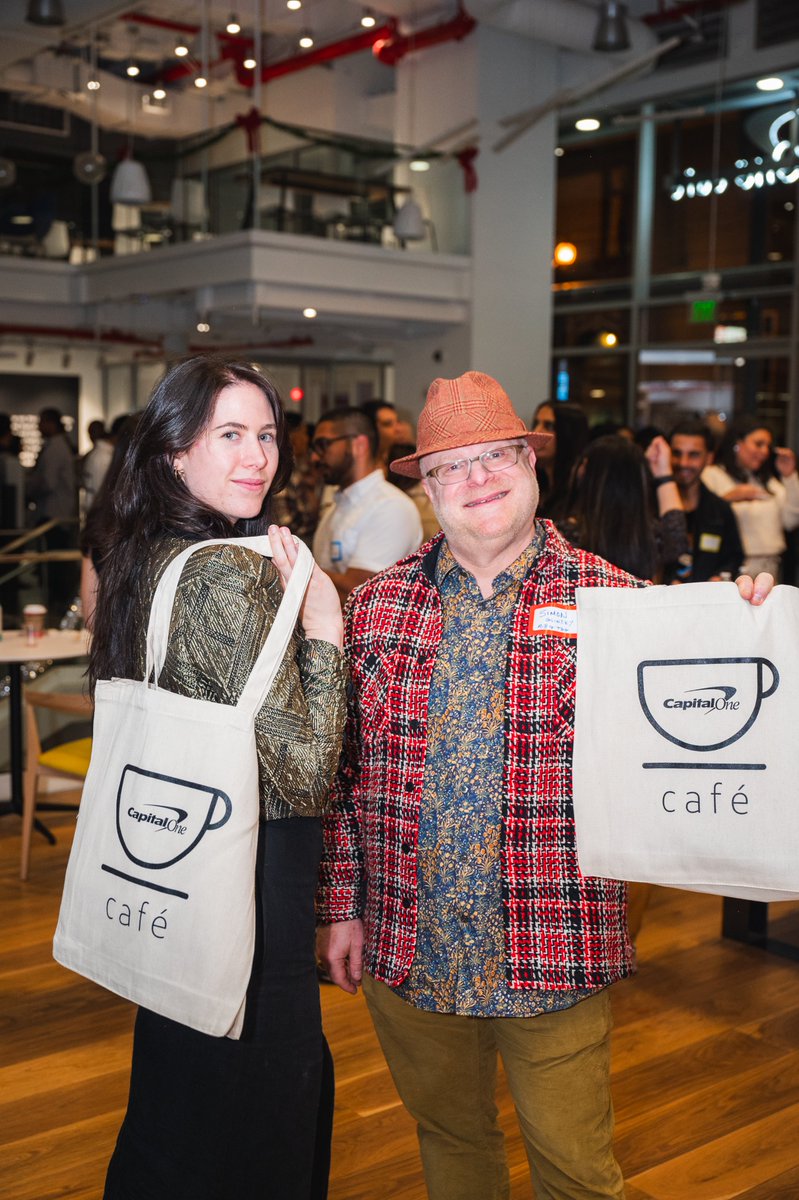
x=158, y=903
x=686, y=747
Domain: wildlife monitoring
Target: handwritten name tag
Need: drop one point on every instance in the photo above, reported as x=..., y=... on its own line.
x=560, y=619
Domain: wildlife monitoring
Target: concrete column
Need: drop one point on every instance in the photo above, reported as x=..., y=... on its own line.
x=508, y=223
x=513, y=219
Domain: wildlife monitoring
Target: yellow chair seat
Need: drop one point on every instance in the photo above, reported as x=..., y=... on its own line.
x=69, y=760
x=72, y=757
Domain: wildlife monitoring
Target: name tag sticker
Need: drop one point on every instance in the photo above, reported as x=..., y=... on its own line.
x=711, y=542
x=560, y=619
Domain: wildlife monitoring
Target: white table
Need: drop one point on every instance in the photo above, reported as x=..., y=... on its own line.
x=15, y=649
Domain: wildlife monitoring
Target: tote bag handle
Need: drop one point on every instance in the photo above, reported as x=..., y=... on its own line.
x=274, y=648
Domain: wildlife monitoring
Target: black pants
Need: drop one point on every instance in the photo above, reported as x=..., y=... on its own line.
x=214, y=1119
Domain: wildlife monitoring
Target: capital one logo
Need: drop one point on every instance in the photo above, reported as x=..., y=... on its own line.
x=704, y=704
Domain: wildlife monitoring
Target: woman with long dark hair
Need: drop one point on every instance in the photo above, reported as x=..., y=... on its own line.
x=611, y=510
x=762, y=485
x=214, y=1118
x=554, y=462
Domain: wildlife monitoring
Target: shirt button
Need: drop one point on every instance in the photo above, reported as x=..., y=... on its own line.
x=406, y=847
x=414, y=724
x=410, y=786
x=407, y=901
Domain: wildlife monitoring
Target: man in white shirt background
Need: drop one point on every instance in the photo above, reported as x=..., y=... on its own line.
x=370, y=523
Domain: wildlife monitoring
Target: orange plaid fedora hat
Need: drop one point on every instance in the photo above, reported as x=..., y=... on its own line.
x=463, y=412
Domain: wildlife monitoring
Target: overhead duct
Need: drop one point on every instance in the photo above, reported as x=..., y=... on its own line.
x=568, y=24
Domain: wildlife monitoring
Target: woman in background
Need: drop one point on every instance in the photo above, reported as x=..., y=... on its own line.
x=93, y=532
x=554, y=462
x=611, y=511
x=762, y=485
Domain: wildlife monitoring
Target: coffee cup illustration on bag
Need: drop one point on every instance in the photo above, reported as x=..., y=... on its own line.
x=704, y=704
x=161, y=819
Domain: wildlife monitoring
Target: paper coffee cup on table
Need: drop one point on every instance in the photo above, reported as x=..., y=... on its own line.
x=33, y=620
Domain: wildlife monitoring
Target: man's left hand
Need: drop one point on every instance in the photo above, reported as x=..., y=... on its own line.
x=755, y=590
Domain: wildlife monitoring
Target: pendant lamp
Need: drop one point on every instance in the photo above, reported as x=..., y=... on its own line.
x=409, y=223
x=129, y=183
x=611, y=32
x=45, y=12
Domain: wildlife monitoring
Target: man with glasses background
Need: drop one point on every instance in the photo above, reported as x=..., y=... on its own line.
x=449, y=883
x=370, y=523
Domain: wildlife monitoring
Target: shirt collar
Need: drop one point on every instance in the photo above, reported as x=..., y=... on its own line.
x=361, y=487
x=515, y=573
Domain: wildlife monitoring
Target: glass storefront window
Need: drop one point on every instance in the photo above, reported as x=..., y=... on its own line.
x=735, y=216
x=603, y=328
x=728, y=321
x=596, y=207
x=597, y=382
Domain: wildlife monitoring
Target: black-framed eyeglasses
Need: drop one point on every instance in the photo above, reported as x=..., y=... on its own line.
x=497, y=459
x=320, y=445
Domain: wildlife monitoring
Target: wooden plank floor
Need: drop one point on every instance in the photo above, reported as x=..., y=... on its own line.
x=706, y=1062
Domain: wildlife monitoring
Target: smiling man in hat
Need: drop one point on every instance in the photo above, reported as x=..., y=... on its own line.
x=450, y=885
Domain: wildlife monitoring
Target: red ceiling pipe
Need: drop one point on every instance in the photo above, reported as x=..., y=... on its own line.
x=236, y=49
x=232, y=49
x=320, y=54
x=81, y=335
x=392, y=50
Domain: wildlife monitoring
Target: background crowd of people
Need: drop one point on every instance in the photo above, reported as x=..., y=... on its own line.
x=669, y=505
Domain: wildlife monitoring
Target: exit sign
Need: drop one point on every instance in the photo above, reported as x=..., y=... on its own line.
x=703, y=310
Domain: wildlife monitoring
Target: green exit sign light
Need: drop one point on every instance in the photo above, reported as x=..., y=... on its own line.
x=703, y=310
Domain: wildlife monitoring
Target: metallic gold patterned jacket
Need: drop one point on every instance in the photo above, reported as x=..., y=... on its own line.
x=225, y=604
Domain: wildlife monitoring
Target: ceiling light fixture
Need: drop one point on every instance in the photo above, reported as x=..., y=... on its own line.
x=249, y=64
x=203, y=327
x=233, y=25
x=181, y=50
x=310, y=313
x=93, y=85
x=200, y=82
x=133, y=69
x=368, y=20
x=612, y=33
x=419, y=164
x=587, y=124
x=306, y=41
x=45, y=12
x=772, y=83
x=293, y=4
x=159, y=93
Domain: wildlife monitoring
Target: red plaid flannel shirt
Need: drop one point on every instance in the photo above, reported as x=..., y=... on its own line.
x=562, y=930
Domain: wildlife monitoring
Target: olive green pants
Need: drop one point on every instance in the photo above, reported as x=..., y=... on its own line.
x=558, y=1070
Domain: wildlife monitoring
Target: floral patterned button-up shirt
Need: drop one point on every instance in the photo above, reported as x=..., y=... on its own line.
x=458, y=966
